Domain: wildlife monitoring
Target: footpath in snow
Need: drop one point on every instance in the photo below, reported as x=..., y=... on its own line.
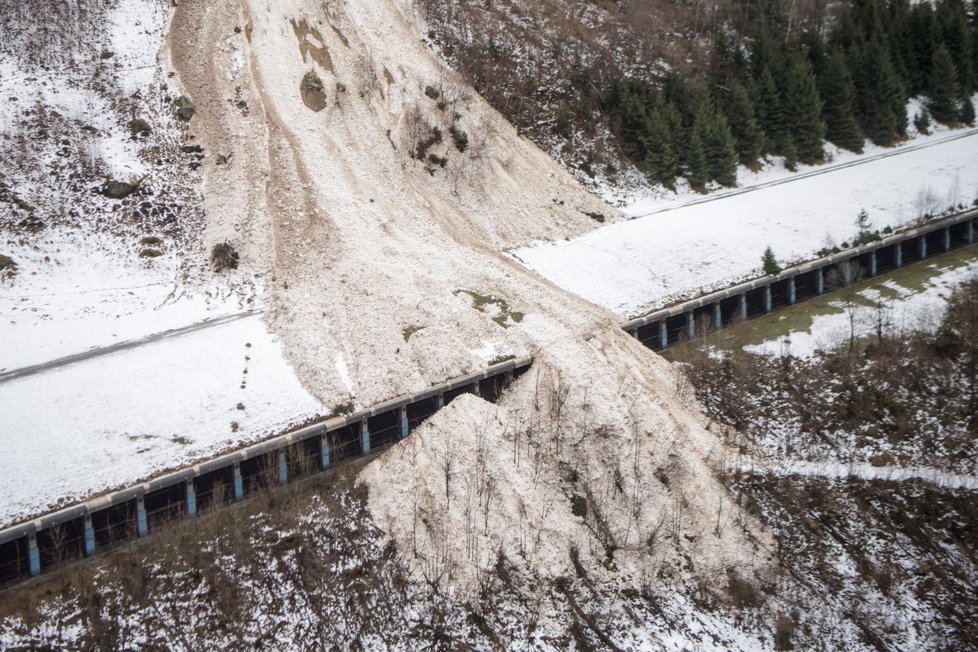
x=654, y=260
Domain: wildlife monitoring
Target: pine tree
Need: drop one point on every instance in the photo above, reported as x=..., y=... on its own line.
x=967, y=112
x=769, y=264
x=879, y=92
x=944, y=93
x=721, y=153
x=661, y=160
x=770, y=112
x=697, y=157
x=744, y=125
x=921, y=47
x=803, y=108
x=790, y=154
x=838, y=93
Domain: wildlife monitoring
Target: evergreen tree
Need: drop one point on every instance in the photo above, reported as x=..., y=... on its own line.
x=661, y=159
x=770, y=112
x=744, y=125
x=790, y=154
x=838, y=93
x=697, y=156
x=955, y=33
x=803, y=108
x=769, y=263
x=967, y=112
x=944, y=93
x=720, y=152
x=921, y=47
x=882, y=112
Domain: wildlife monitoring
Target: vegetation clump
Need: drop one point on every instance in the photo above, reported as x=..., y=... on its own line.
x=8, y=267
x=223, y=257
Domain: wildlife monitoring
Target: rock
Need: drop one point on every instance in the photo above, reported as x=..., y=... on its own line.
x=118, y=189
x=432, y=92
x=192, y=149
x=185, y=108
x=139, y=127
x=150, y=253
x=311, y=90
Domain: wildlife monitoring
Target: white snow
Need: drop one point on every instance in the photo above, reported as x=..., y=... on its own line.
x=863, y=471
x=910, y=311
x=116, y=419
x=648, y=262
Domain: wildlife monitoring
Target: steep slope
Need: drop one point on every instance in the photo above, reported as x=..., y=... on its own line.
x=377, y=256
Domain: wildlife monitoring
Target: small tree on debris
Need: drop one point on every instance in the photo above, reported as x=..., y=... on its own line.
x=769, y=263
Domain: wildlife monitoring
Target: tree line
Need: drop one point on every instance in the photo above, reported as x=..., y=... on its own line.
x=765, y=94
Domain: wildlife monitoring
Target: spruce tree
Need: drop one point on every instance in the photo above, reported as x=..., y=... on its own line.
x=967, y=112
x=661, y=160
x=879, y=93
x=770, y=112
x=803, y=108
x=697, y=156
x=744, y=125
x=838, y=93
x=944, y=93
x=921, y=47
x=721, y=153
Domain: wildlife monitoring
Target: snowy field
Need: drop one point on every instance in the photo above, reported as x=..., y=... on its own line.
x=636, y=266
x=920, y=309
x=116, y=419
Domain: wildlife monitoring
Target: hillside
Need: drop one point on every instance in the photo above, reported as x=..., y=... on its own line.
x=322, y=200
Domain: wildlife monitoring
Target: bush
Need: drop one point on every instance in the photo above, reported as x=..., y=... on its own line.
x=460, y=138
x=223, y=256
x=8, y=268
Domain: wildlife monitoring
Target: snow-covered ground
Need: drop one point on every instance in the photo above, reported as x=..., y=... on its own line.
x=863, y=471
x=911, y=309
x=113, y=420
x=691, y=245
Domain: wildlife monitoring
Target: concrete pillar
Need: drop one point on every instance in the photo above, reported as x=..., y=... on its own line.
x=898, y=255
x=767, y=299
x=324, y=451
x=691, y=324
x=475, y=388
x=634, y=333
x=142, y=524
x=947, y=239
x=663, y=335
x=364, y=437
x=511, y=376
x=89, y=536
x=33, y=555
x=440, y=401
x=923, y=247
x=405, y=426
x=872, y=263
x=191, y=499
x=238, y=482
x=792, y=291
x=717, y=316
x=283, y=467
x=971, y=233
x=743, y=306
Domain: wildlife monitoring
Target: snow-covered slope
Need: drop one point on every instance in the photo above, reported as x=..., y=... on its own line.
x=369, y=194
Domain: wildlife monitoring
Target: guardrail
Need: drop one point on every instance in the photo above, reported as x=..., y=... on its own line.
x=666, y=327
x=30, y=548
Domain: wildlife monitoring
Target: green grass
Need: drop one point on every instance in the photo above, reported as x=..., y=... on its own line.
x=480, y=302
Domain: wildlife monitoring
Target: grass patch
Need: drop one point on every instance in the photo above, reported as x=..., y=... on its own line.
x=489, y=304
x=343, y=409
x=409, y=331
